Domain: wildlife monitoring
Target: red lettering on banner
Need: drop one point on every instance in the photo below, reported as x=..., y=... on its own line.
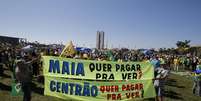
x=131, y=87
x=113, y=88
x=137, y=94
x=113, y=96
x=102, y=89
x=136, y=87
x=123, y=87
x=133, y=95
x=141, y=86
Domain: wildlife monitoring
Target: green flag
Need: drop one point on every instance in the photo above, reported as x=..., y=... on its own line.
x=16, y=87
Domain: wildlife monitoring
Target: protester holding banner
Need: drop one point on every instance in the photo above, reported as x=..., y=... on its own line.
x=156, y=64
x=24, y=75
x=159, y=82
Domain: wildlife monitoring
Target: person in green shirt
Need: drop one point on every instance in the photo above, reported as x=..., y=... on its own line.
x=188, y=62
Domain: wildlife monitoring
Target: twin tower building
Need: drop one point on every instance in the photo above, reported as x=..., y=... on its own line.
x=100, y=40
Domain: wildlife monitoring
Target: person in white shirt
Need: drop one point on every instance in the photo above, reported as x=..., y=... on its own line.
x=159, y=82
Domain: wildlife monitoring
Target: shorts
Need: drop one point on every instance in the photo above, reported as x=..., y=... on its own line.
x=159, y=91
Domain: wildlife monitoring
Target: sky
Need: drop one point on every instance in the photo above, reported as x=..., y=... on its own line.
x=126, y=23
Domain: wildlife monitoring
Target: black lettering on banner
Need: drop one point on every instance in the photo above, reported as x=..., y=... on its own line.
x=109, y=66
x=92, y=67
x=124, y=75
x=128, y=67
x=104, y=76
x=98, y=67
x=122, y=68
x=134, y=75
x=138, y=67
x=104, y=67
x=117, y=67
x=129, y=76
x=133, y=67
x=98, y=75
x=111, y=77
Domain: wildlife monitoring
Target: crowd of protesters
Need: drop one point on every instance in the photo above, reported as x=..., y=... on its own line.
x=22, y=63
x=28, y=62
x=175, y=62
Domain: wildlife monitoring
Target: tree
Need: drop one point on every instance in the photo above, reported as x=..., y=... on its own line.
x=183, y=44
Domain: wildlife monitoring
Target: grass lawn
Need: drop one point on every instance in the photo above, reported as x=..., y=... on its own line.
x=178, y=88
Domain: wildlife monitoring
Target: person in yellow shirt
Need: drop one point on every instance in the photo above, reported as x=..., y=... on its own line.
x=147, y=59
x=176, y=64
